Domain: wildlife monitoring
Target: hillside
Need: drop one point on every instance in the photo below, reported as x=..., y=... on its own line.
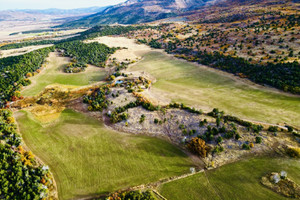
x=138, y=11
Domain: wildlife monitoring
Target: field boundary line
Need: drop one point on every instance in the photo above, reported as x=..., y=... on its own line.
x=212, y=186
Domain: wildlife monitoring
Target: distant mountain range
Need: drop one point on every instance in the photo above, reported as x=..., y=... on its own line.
x=56, y=11
x=139, y=11
x=47, y=14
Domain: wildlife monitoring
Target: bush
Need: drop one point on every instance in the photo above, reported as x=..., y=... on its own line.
x=273, y=129
x=222, y=129
x=229, y=134
x=251, y=145
x=216, y=113
x=219, y=140
x=198, y=146
x=258, y=140
x=290, y=129
x=237, y=136
x=294, y=152
x=202, y=123
x=156, y=121
x=181, y=126
x=246, y=146
x=142, y=119
x=218, y=149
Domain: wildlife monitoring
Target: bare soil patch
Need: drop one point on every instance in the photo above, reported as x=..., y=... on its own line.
x=134, y=51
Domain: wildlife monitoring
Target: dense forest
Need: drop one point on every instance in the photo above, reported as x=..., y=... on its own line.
x=22, y=178
x=90, y=53
x=15, y=70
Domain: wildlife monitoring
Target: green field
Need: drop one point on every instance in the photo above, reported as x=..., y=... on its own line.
x=207, y=89
x=240, y=180
x=86, y=158
x=53, y=73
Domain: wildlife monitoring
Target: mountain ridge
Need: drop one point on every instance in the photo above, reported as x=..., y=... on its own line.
x=138, y=11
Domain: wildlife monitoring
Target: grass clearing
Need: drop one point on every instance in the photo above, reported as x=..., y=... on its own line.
x=86, y=158
x=240, y=180
x=53, y=74
x=204, y=88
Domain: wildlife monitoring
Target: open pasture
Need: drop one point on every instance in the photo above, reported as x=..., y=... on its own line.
x=87, y=158
x=207, y=88
x=53, y=74
x=240, y=180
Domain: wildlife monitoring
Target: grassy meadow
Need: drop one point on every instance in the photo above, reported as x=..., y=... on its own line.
x=204, y=88
x=53, y=74
x=240, y=180
x=86, y=158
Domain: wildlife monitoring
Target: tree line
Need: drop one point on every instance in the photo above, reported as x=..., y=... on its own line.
x=22, y=177
x=13, y=71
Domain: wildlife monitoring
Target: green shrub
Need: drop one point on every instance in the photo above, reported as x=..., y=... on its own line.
x=273, y=129
x=219, y=140
x=290, y=129
x=246, y=146
x=237, y=136
x=229, y=134
x=293, y=152
x=142, y=119
x=218, y=149
x=258, y=140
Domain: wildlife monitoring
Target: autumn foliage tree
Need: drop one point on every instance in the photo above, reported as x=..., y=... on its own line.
x=199, y=147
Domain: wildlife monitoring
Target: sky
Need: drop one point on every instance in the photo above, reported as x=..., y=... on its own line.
x=64, y=4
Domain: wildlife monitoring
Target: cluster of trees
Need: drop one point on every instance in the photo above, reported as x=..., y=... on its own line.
x=75, y=67
x=155, y=44
x=132, y=195
x=91, y=53
x=13, y=71
x=97, y=100
x=210, y=133
x=21, y=176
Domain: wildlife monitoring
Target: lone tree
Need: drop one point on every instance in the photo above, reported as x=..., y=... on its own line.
x=198, y=146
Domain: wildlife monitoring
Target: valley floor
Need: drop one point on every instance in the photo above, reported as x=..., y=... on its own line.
x=87, y=158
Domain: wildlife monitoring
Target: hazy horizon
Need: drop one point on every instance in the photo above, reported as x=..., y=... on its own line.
x=59, y=4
